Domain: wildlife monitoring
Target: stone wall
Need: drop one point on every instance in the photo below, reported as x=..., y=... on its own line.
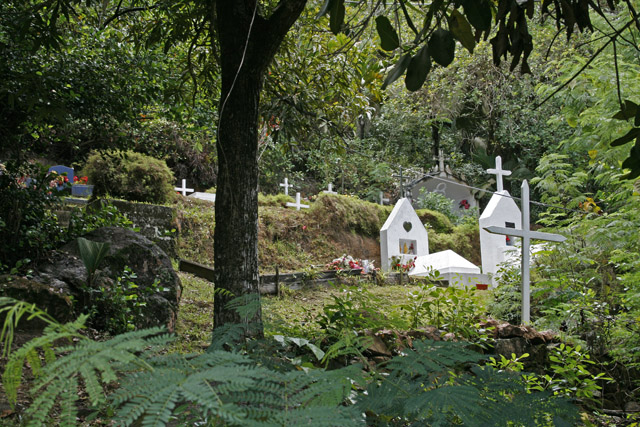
x=155, y=222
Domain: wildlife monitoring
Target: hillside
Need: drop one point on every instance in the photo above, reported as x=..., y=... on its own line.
x=333, y=225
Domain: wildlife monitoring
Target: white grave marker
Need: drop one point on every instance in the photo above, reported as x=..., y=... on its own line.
x=184, y=188
x=297, y=204
x=403, y=235
x=499, y=173
x=383, y=200
x=329, y=189
x=286, y=186
x=501, y=211
x=526, y=234
x=210, y=197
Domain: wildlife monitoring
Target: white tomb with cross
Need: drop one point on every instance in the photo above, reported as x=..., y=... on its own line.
x=402, y=236
x=453, y=268
x=441, y=180
x=286, y=186
x=329, y=189
x=297, y=204
x=502, y=211
x=526, y=234
x=184, y=188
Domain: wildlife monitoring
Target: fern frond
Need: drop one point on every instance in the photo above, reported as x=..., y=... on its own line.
x=13, y=310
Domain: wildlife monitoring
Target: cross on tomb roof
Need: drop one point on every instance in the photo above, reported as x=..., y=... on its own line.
x=440, y=159
x=297, y=204
x=526, y=234
x=402, y=179
x=184, y=188
x=499, y=173
x=286, y=186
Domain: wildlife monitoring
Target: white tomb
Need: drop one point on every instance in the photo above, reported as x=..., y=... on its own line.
x=403, y=235
x=453, y=269
x=210, y=197
x=502, y=211
x=298, y=204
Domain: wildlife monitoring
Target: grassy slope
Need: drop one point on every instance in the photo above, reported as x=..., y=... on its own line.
x=334, y=225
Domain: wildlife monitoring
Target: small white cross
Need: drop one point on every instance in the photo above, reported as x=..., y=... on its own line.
x=297, y=204
x=440, y=159
x=382, y=199
x=286, y=186
x=526, y=234
x=330, y=189
x=499, y=173
x=184, y=188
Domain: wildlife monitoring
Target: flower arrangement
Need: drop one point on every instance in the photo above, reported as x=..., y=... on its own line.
x=348, y=262
x=80, y=180
x=397, y=264
x=57, y=180
x=464, y=204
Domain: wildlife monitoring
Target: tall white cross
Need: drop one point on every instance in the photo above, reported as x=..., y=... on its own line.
x=330, y=189
x=297, y=204
x=286, y=186
x=526, y=234
x=499, y=173
x=440, y=159
x=184, y=188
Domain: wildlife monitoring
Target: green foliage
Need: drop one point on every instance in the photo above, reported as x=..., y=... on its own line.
x=92, y=253
x=507, y=297
x=96, y=215
x=436, y=202
x=130, y=175
x=436, y=383
x=279, y=200
x=350, y=212
x=28, y=225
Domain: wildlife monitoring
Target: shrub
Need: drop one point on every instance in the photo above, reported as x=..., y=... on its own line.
x=131, y=176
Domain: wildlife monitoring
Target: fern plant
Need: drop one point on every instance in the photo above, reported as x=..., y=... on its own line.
x=439, y=383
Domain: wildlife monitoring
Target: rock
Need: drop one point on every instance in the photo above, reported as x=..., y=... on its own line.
x=377, y=347
x=632, y=407
x=65, y=270
x=537, y=358
x=507, y=330
x=54, y=299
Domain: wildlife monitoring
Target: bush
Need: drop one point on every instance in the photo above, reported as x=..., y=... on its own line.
x=131, y=176
x=28, y=225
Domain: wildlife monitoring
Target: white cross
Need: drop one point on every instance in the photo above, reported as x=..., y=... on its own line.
x=184, y=188
x=297, y=204
x=499, y=173
x=330, y=189
x=286, y=186
x=440, y=159
x=382, y=199
x=526, y=234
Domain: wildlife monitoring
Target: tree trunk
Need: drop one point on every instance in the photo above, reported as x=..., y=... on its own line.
x=244, y=61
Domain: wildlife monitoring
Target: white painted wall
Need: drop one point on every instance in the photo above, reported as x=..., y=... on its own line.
x=393, y=232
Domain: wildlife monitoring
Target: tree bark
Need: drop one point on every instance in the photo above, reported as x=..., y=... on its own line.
x=248, y=43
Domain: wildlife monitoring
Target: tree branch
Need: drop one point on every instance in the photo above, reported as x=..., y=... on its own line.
x=119, y=13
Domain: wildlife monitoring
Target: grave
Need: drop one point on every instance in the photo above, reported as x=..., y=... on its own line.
x=184, y=188
x=297, y=204
x=329, y=189
x=442, y=180
x=501, y=211
x=526, y=234
x=286, y=186
x=210, y=197
x=403, y=235
x=383, y=200
x=453, y=269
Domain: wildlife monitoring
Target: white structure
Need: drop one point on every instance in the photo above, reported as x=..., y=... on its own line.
x=499, y=173
x=297, y=204
x=403, y=235
x=286, y=186
x=210, y=197
x=501, y=211
x=453, y=269
x=383, y=200
x=184, y=188
x=329, y=189
x=526, y=234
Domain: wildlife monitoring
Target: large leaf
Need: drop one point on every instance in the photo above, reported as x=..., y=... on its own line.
x=442, y=47
x=92, y=253
x=461, y=30
x=629, y=136
x=337, y=16
x=628, y=112
x=388, y=37
x=397, y=71
x=418, y=69
x=478, y=13
x=633, y=162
